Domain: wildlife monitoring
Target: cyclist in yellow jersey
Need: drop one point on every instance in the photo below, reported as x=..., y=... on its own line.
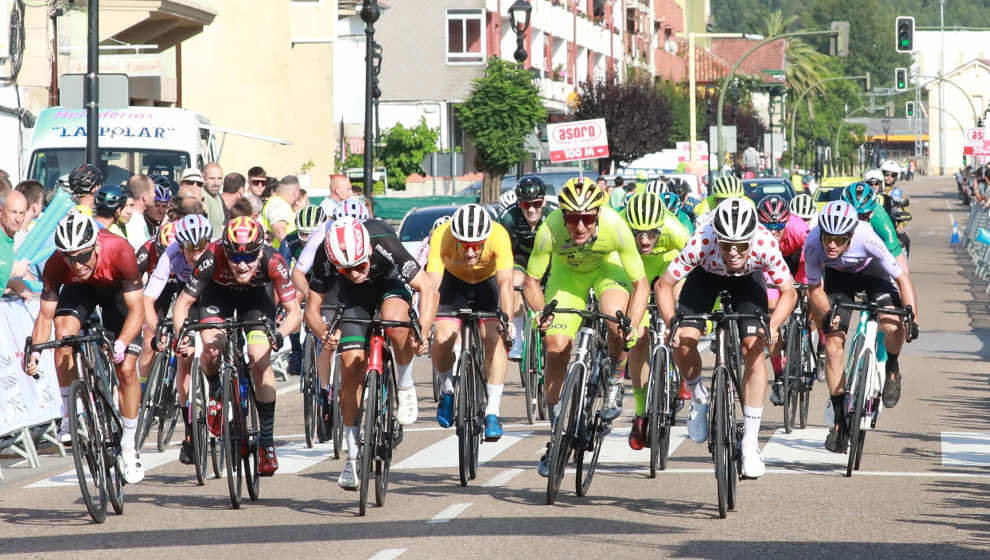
x=728, y=186
x=592, y=247
x=660, y=236
x=471, y=260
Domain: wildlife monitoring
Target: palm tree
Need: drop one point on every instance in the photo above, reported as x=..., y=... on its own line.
x=804, y=65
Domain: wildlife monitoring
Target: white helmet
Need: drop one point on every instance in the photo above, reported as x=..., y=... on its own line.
x=347, y=242
x=471, y=223
x=838, y=218
x=655, y=186
x=873, y=175
x=193, y=229
x=439, y=222
x=75, y=232
x=735, y=220
x=507, y=199
x=890, y=166
x=803, y=206
x=351, y=207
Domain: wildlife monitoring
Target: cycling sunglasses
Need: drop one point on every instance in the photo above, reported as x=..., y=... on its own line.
x=527, y=204
x=651, y=233
x=360, y=267
x=874, y=182
x=79, y=258
x=243, y=258
x=197, y=246
x=477, y=246
x=839, y=240
x=889, y=174
x=740, y=246
x=586, y=218
x=774, y=226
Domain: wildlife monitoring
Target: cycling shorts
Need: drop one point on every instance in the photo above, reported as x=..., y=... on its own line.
x=164, y=301
x=457, y=294
x=842, y=287
x=571, y=288
x=361, y=301
x=701, y=288
x=81, y=300
x=255, y=303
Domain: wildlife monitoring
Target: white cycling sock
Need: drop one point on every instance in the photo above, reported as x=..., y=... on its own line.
x=350, y=436
x=65, y=407
x=494, y=398
x=751, y=427
x=405, y=375
x=127, y=439
x=446, y=382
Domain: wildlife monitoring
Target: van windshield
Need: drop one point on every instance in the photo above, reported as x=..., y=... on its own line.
x=47, y=165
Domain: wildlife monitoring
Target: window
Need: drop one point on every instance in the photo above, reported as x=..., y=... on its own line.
x=466, y=41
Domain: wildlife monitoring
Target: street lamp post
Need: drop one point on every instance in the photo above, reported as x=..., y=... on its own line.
x=376, y=92
x=369, y=15
x=91, y=87
x=519, y=14
x=885, y=123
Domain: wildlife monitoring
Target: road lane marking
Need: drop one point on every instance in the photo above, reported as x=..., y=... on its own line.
x=801, y=447
x=388, y=554
x=443, y=454
x=449, y=512
x=149, y=460
x=296, y=457
x=615, y=448
x=290, y=387
x=965, y=449
x=503, y=477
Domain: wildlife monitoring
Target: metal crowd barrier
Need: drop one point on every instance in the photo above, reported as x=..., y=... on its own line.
x=977, y=242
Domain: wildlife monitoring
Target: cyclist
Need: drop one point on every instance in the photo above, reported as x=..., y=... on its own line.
x=308, y=219
x=659, y=238
x=84, y=181
x=365, y=268
x=423, y=253
x=232, y=277
x=725, y=188
x=673, y=203
x=844, y=256
x=190, y=237
x=868, y=208
x=471, y=263
x=91, y=268
x=521, y=221
x=351, y=207
x=803, y=206
x=156, y=213
x=586, y=244
x=113, y=208
x=506, y=201
x=891, y=171
x=147, y=260
x=790, y=231
x=731, y=253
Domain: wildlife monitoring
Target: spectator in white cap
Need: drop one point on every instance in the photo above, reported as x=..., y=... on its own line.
x=190, y=185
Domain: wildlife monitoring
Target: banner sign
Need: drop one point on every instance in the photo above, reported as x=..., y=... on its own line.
x=577, y=140
x=24, y=401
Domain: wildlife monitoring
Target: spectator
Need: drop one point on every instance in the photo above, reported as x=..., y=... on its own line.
x=34, y=194
x=215, y=208
x=189, y=206
x=340, y=189
x=270, y=188
x=617, y=198
x=233, y=189
x=602, y=183
x=257, y=181
x=191, y=184
x=4, y=182
x=751, y=160
x=277, y=216
x=302, y=201
x=14, y=207
x=256, y=206
x=240, y=208
x=143, y=190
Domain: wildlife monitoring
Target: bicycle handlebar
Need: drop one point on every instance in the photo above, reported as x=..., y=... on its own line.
x=905, y=313
x=228, y=325
x=620, y=318
x=721, y=315
x=338, y=318
x=74, y=341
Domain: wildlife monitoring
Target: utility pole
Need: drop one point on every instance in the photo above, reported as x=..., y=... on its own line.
x=941, y=90
x=91, y=86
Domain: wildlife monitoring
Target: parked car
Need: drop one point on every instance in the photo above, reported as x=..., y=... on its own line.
x=756, y=189
x=417, y=222
x=553, y=179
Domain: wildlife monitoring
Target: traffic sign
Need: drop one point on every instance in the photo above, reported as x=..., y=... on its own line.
x=975, y=136
x=577, y=140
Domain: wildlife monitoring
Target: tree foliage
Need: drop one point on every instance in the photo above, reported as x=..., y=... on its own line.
x=405, y=149
x=637, y=116
x=503, y=107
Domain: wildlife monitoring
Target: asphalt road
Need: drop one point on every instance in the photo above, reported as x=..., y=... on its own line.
x=922, y=492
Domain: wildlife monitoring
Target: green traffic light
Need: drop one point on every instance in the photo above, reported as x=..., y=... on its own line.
x=904, y=42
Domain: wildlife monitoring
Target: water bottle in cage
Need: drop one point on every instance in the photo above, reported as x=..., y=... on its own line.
x=245, y=391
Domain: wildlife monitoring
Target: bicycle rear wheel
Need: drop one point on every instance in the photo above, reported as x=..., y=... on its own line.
x=336, y=419
x=791, y=377
x=252, y=431
x=724, y=440
x=87, y=450
x=463, y=418
x=593, y=431
x=232, y=438
x=310, y=389
x=529, y=374
x=387, y=432
x=369, y=421
x=114, y=478
x=197, y=413
x=856, y=435
x=151, y=398
x=477, y=414
x=564, y=430
x=168, y=412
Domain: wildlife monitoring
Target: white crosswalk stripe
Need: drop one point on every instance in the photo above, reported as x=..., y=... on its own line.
x=443, y=454
x=149, y=460
x=965, y=449
x=801, y=447
x=615, y=448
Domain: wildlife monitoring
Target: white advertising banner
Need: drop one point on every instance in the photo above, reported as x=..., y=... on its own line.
x=24, y=401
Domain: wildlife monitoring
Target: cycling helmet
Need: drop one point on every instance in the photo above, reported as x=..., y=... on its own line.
x=166, y=235
x=75, y=232
x=84, y=178
x=671, y=201
x=163, y=188
x=310, y=218
x=735, y=220
x=873, y=175
x=352, y=207
x=728, y=186
x=194, y=230
x=679, y=186
x=773, y=209
x=347, y=243
x=580, y=195
x=109, y=199
x=507, y=199
x=803, y=206
x=645, y=211
x=530, y=187
x=890, y=166
x=439, y=222
x=470, y=224
x=655, y=186
x=838, y=218
x=62, y=181
x=243, y=235
x=861, y=197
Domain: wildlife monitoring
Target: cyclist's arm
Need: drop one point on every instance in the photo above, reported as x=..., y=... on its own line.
x=663, y=292
x=285, y=294
x=632, y=262
x=314, y=316
x=434, y=262
x=285, y=251
x=134, y=300
x=150, y=316
x=180, y=309
x=539, y=260
x=43, y=324
x=505, y=290
x=785, y=305
x=279, y=230
x=429, y=299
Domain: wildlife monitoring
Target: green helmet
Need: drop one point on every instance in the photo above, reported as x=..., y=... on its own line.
x=861, y=196
x=530, y=187
x=645, y=211
x=728, y=186
x=310, y=218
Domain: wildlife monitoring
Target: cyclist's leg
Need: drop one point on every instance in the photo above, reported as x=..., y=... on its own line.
x=256, y=304
x=749, y=295
x=639, y=369
x=358, y=303
x=613, y=287
x=518, y=309
x=395, y=307
x=570, y=290
x=485, y=298
x=445, y=340
x=838, y=288
x=697, y=296
x=881, y=290
x=74, y=306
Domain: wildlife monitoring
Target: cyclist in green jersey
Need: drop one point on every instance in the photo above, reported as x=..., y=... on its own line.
x=863, y=198
x=728, y=186
x=659, y=239
x=592, y=247
x=674, y=206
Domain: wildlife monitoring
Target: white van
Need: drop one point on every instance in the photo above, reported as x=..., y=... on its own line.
x=148, y=140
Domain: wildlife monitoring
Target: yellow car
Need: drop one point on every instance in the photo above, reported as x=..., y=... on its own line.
x=831, y=189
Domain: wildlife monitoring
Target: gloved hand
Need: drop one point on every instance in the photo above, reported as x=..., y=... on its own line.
x=31, y=366
x=279, y=340
x=119, y=351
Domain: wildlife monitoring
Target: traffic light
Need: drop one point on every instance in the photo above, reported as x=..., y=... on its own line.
x=909, y=109
x=866, y=83
x=839, y=45
x=904, y=34
x=900, y=79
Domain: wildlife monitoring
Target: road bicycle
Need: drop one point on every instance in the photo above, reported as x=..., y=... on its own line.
x=94, y=420
x=380, y=430
x=579, y=427
x=662, y=400
x=864, y=373
x=800, y=371
x=159, y=400
x=321, y=417
x=531, y=367
x=725, y=432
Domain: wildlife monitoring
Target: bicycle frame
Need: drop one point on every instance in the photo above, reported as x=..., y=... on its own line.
x=866, y=344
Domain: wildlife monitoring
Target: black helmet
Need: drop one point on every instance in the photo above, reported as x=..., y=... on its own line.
x=109, y=199
x=530, y=187
x=84, y=178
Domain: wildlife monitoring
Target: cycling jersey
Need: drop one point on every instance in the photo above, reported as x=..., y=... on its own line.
x=173, y=268
x=884, y=227
x=445, y=255
x=213, y=268
x=702, y=251
x=388, y=258
x=673, y=238
x=147, y=256
x=291, y=247
x=304, y=262
x=116, y=267
x=864, y=247
x=520, y=233
x=686, y=221
x=612, y=236
x=710, y=203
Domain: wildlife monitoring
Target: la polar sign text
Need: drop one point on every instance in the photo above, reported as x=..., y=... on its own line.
x=578, y=140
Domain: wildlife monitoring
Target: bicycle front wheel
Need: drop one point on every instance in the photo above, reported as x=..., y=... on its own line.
x=387, y=432
x=151, y=398
x=856, y=435
x=593, y=431
x=336, y=419
x=168, y=412
x=723, y=435
x=232, y=439
x=310, y=389
x=464, y=418
x=792, y=377
x=564, y=430
x=112, y=434
x=87, y=450
x=369, y=421
x=197, y=413
x=658, y=423
x=252, y=432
